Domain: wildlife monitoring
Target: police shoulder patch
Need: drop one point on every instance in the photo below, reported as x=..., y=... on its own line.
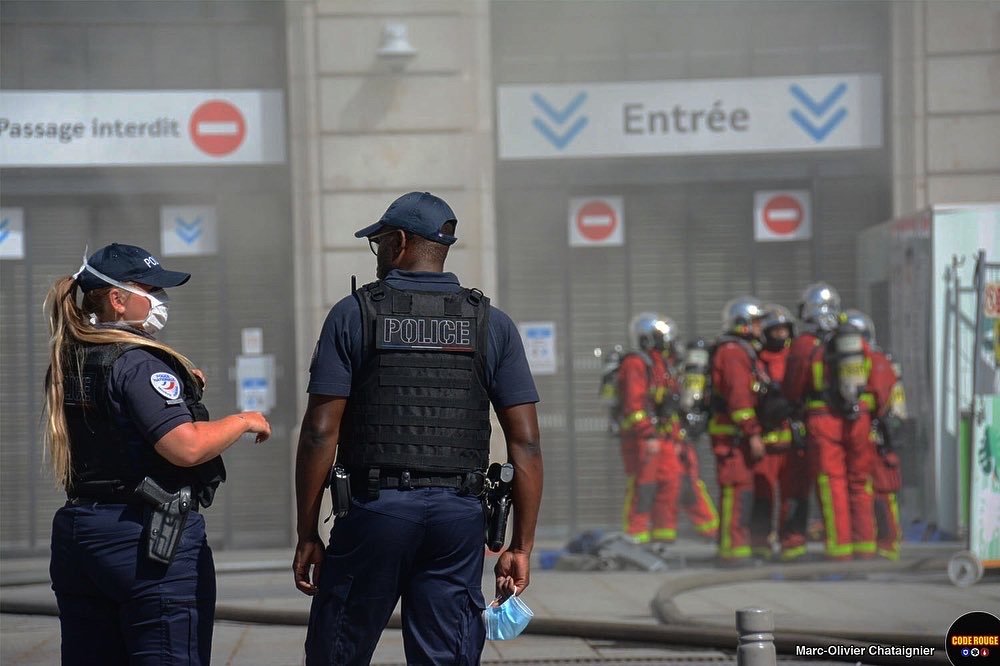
x=166, y=385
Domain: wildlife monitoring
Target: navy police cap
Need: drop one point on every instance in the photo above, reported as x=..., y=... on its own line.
x=420, y=213
x=128, y=263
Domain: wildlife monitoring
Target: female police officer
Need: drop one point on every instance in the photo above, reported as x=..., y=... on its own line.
x=123, y=408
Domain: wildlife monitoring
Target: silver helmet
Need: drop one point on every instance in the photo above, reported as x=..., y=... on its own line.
x=820, y=306
x=739, y=314
x=777, y=315
x=672, y=334
x=862, y=322
x=650, y=330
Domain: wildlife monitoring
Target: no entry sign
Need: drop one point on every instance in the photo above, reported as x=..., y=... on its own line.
x=596, y=221
x=217, y=127
x=782, y=215
x=64, y=128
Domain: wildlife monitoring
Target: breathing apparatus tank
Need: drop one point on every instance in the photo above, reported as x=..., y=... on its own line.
x=696, y=391
x=847, y=363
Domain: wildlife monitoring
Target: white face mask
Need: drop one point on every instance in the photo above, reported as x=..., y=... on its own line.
x=156, y=319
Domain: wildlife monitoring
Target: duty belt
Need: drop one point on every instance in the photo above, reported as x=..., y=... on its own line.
x=103, y=493
x=362, y=481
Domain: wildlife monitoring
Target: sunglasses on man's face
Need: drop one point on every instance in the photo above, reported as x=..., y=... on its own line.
x=374, y=241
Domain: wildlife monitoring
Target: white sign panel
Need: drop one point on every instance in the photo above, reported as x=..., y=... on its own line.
x=782, y=216
x=596, y=221
x=187, y=231
x=253, y=341
x=775, y=114
x=149, y=127
x=11, y=233
x=255, y=383
x=539, y=339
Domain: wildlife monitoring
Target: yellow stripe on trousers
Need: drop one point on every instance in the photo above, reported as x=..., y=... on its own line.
x=833, y=547
x=629, y=496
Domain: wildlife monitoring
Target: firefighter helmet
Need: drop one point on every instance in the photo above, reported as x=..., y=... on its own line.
x=777, y=315
x=671, y=335
x=862, y=322
x=820, y=306
x=739, y=314
x=650, y=330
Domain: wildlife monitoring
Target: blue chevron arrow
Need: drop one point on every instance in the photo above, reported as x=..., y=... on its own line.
x=552, y=120
x=559, y=117
x=818, y=132
x=818, y=108
x=189, y=231
x=557, y=140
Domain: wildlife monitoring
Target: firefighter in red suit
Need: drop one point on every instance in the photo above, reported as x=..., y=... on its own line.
x=684, y=488
x=784, y=467
x=642, y=382
x=886, y=477
x=734, y=429
x=829, y=369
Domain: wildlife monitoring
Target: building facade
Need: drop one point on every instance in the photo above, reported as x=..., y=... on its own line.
x=520, y=114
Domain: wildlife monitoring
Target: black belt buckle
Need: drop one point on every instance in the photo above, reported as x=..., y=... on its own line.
x=404, y=480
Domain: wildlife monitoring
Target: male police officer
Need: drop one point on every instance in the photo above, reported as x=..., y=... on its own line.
x=400, y=386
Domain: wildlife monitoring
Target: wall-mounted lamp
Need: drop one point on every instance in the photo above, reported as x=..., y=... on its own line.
x=395, y=47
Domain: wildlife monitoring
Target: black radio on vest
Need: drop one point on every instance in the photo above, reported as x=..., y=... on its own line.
x=420, y=401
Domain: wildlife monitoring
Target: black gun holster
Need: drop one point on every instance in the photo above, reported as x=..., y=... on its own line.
x=164, y=519
x=340, y=491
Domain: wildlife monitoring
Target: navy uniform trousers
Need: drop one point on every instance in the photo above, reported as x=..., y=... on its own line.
x=425, y=545
x=118, y=607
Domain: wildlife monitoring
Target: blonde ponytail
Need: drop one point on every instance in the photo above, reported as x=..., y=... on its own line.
x=70, y=327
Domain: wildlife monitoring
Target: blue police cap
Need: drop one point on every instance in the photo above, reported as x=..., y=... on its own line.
x=420, y=213
x=128, y=263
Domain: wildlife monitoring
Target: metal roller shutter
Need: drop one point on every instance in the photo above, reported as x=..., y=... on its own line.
x=720, y=236
x=534, y=289
x=253, y=285
x=658, y=260
x=598, y=307
x=688, y=250
x=242, y=286
x=55, y=237
x=845, y=207
x=22, y=394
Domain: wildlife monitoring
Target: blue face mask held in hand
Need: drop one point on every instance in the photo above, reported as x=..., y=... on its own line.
x=506, y=620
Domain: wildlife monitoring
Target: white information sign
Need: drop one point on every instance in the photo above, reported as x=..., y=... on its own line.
x=255, y=383
x=11, y=233
x=142, y=127
x=188, y=231
x=782, y=215
x=689, y=117
x=596, y=221
x=253, y=341
x=539, y=339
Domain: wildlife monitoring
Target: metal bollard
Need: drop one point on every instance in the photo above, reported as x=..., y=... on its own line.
x=756, y=629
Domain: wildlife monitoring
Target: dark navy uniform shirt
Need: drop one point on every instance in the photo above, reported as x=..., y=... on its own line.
x=339, y=349
x=141, y=388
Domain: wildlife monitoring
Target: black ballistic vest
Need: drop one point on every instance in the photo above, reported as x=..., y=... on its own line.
x=103, y=459
x=419, y=401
